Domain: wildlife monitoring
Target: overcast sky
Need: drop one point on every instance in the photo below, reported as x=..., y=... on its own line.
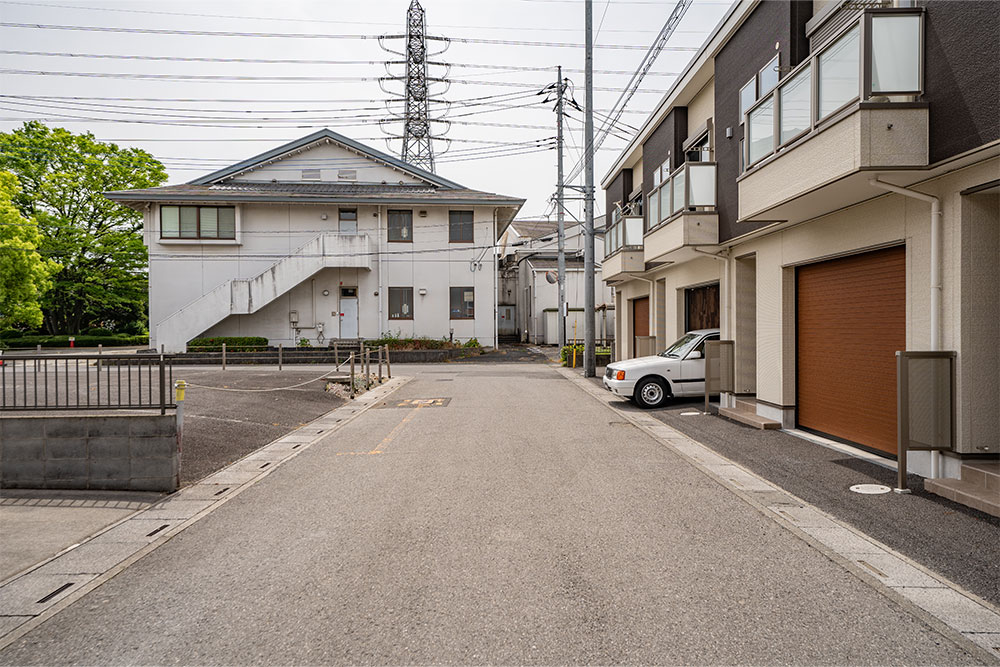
x=211, y=131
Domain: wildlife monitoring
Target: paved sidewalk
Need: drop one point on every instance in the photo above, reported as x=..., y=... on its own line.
x=512, y=520
x=961, y=543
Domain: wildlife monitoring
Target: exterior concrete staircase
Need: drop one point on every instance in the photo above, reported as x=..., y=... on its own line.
x=243, y=297
x=745, y=412
x=978, y=488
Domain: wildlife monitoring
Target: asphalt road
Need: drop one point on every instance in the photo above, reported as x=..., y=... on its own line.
x=522, y=522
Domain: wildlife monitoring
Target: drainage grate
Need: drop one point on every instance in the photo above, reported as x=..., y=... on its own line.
x=265, y=465
x=150, y=534
x=219, y=493
x=870, y=489
x=54, y=593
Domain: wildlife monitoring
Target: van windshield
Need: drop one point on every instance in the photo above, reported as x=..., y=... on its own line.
x=679, y=349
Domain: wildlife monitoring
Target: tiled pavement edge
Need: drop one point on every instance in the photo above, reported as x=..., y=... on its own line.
x=942, y=604
x=31, y=597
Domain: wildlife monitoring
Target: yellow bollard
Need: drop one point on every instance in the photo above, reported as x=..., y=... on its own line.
x=179, y=387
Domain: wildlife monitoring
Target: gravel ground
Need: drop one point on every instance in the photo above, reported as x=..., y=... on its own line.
x=961, y=543
x=221, y=426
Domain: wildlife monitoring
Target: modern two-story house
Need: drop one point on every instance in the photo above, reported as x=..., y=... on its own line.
x=319, y=239
x=822, y=183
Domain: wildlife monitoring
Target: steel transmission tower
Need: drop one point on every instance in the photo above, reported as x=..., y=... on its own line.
x=417, y=148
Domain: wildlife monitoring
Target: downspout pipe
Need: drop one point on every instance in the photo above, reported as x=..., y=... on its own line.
x=936, y=239
x=936, y=286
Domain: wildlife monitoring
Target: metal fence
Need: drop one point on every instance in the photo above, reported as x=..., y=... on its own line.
x=720, y=367
x=925, y=404
x=86, y=382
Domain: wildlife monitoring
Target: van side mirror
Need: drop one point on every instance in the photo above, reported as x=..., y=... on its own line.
x=695, y=354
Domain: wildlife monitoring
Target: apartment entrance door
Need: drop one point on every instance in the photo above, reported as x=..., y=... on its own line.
x=348, y=312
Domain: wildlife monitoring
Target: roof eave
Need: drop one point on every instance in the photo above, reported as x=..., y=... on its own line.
x=131, y=197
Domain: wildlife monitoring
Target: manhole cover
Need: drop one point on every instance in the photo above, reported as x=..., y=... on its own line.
x=870, y=489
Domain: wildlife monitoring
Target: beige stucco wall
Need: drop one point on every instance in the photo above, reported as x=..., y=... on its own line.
x=666, y=300
x=885, y=220
x=861, y=139
x=701, y=108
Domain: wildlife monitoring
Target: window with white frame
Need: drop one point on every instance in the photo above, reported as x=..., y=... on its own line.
x=197, y=222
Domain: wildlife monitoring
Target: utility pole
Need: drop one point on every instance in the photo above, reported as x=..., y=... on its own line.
x=589, y=353
x=561, y=267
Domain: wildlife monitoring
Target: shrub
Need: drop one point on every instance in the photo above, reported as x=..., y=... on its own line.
x=304, y=342
x=81, y=341
x=566, y=354
x=99, y=331
x=233, y=344
x=11, y=333
x=396, y=343
x=472, y=342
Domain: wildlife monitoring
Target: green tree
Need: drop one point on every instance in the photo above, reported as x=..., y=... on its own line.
x=24, y=274
x=97, y=242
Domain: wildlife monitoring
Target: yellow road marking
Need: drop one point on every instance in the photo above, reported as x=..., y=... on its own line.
x=394, y=432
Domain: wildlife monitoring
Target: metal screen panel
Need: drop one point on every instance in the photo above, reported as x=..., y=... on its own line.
x=720, y=366
x=925, y=398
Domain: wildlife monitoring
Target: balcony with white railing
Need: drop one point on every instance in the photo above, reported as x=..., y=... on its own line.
x=682, y=213
x=849, y=108
x=622, y=247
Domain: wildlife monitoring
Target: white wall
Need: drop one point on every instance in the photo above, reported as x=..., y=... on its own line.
x=181, y=272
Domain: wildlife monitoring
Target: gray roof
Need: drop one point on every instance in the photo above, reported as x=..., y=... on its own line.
x=349, y=193
x=209, y=189
x=550, y=264
x=534, y=229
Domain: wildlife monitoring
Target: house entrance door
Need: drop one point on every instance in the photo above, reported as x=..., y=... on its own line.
x=348, y=312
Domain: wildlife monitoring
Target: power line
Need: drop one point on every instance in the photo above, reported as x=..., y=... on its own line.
x=294, y=61
x=303, y=35
x=228, y=78
x=309, y=20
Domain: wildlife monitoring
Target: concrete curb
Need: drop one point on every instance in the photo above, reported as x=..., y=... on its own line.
x=966, y=619
x=33, y=596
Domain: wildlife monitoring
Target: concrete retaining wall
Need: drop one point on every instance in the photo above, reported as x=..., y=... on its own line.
x=127, y=452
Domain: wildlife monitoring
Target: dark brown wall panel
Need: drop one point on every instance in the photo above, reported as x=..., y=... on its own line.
x=962, y=75
x=739, y=60
x=851, y=320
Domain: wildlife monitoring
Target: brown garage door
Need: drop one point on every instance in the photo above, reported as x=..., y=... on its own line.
x=851, y=320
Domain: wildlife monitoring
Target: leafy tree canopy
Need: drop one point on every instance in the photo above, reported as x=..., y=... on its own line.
x=24, y=274
x=97, y=242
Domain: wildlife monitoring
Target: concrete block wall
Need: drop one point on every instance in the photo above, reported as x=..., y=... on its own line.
x=126, y=452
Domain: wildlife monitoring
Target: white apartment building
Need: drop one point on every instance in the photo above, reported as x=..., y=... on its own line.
x=319, y=239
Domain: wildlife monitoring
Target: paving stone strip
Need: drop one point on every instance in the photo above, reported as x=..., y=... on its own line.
x=30, y=598
x=930, y=596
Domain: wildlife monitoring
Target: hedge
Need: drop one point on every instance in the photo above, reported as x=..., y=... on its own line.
x=412, y=343
x=566, y=354
x=233, y=344
x=118, y=340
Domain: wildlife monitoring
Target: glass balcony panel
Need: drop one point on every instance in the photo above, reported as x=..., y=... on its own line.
x=665, y=201
x=654, y=209
x=633, y=231
x=795, y=100
x=678, y=191
x=895, y=57
x=838, y=73
x=702, y=177
x=761, y=131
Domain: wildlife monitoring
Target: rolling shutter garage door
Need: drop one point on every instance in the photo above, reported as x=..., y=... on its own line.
x=851, y=320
